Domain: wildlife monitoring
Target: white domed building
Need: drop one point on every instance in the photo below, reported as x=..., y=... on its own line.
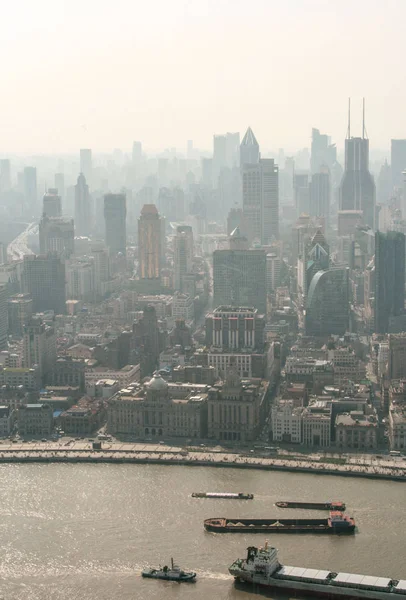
x=151, y=412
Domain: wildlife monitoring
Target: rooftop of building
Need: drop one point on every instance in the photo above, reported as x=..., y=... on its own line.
x=356, y=418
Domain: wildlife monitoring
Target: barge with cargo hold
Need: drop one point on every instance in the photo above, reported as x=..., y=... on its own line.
x=337, y=523
x=226, y=495
x=338, y=505
x=262, y=568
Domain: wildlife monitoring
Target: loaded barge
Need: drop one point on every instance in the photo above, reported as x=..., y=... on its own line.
x=337, y=523
x=262, y=568
x=227, y=495
x=338, y=505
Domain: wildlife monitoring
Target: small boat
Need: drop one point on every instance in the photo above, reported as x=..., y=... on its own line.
x=226, y=495
x=172, y=573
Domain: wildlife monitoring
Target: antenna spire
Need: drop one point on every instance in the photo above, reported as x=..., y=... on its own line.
x=364, y=129
x=349, y=119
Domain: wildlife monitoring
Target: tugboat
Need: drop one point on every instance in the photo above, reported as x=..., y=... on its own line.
x=172, y=573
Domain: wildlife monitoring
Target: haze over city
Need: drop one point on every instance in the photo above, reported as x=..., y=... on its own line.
x=202, y=300
x=98, y=73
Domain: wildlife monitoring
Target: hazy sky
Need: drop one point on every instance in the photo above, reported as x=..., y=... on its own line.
x=101, y=73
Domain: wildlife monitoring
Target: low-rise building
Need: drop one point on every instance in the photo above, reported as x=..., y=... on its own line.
x=125, y=376
x=237, y=408
x=82, y=418
x=103, y=389
x=316, y=421
x=35, y=420
x=149, y=410
x=397, y=426
x=286, y=422
x=68, y=371
x=183, y=307
x=356, y=430
x=29, y=378
x=6, y=420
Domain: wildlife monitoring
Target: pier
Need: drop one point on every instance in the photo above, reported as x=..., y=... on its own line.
x=141, y=453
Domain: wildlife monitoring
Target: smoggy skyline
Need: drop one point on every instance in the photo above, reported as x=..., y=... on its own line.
x=99, y=74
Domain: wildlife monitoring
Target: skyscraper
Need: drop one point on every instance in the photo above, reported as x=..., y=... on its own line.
x=51, y=203
x=57, y=234
x=320, y=191
x=86, y=166
x=398, y=161
x=39, y=345
x=183, y=255
x=357, y=188
x=82, y=207
x=59, y=180
x=260, y=194
x=149, y=242
x=249, y=149
x=389, y=278
x=3, y=316
x=239, y=275
x=44, y=280
x=327, y=304
x=322, y=151
x=115, y=213
x=30, y=190
x=101, y=267
x=5, y=175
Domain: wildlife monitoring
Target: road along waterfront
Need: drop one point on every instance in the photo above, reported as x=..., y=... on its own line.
x=83, y=531
x=78, y=451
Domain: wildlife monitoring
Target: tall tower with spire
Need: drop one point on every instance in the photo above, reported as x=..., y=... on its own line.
x=260, y=191
x=357, y=188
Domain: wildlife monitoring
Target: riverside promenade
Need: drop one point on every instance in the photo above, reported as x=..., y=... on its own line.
x=138, y=453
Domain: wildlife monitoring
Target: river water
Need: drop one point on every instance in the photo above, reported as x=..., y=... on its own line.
x=84, y=532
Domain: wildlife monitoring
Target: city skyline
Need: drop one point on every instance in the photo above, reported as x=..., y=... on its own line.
x=200, y=52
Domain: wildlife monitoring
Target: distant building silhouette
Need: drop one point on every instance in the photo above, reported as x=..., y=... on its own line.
x=52, y=203
x=398, y=161
x=44, y=280
x=82, y=207
x=115, y=214
x=30, y=190
x=149, y=242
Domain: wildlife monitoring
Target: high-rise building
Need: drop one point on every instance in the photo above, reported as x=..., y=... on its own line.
x=30, y=190
x=137, y=153
x=235, y=327
x=327, y=304
x=301, y=193
x=357, y=188
x=59, y=180
x=320, y=193
x=147, y=338
x=183, y=255
x=249, y=149
x=82, y=207
x=57, y=234
x=397, y=356
x=52, y=204
x=3, y=316
x=115, y=213
x=260, y=191
x=384, y=185
x=86, y=166
x=389, y=278
x=39, y=346
x=101, y=268
x=322, y=151
x=398, y=161
x=239, y=275
x=5, y=175
x=80, y=280
x=149, y=242
x=19, y=313
x=44, y=280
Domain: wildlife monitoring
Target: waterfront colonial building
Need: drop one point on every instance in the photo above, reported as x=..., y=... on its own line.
x=151, y=410
x=35, y=420
x=236, y=408
x=356, y=430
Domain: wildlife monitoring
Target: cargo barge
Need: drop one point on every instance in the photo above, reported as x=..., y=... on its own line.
x=226, y=495
x=337, y=523
x=333, y=505
x=262, y=568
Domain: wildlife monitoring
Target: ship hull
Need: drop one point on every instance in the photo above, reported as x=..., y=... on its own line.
x=221, y=525
x=187, y=577
x=312, y=505
x=302, y=589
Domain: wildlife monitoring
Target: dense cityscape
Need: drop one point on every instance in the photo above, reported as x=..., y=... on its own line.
x=225, y=298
